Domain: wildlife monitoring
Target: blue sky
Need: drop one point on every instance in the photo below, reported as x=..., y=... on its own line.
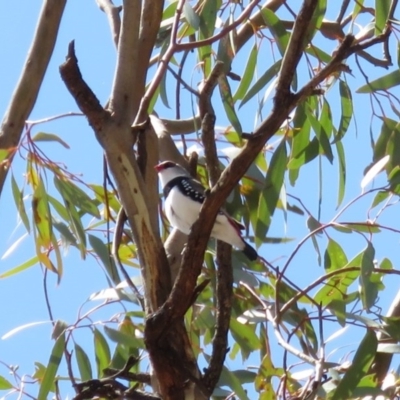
x=22, y=296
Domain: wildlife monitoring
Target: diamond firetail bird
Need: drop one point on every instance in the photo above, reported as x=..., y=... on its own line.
x=183, y=199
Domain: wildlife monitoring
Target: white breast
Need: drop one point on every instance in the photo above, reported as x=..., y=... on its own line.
x=181, y=211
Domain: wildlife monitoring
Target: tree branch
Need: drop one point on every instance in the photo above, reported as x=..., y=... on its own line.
x=27, y=89
x=224, y=252
x=128, y=178
x=294, y=51
x=114, y=20
x=121, y=103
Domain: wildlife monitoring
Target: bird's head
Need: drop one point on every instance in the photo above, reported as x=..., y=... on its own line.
x=164, y=166
x=168, y=170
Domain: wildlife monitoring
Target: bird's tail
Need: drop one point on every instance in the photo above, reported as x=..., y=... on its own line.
x=249, y=252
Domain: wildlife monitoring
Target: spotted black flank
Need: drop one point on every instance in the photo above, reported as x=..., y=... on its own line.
x=185, y=186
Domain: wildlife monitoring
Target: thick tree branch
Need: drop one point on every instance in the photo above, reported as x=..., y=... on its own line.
x=122, y=104
x=27, y=89
x=149, y=26
x=182, y=126
x=114, y=20
x=129, y=182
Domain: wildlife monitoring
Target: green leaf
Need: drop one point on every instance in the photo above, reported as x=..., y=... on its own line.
x=392, y=149
x=105, y=256
x=191, y=17
x=245, y=336
x=323, y=130
x=336, y=287
x=4, y=154
x=358, y=5
x=22, y=267
x=388, y=127
x=82, y=359
x=266, y=77
x=386, y=264
x=61, y=210
x=248, y=74
x=49, y=137
x=5, y=384
x=19, y=203
x=52, y=367
x=316, y=20
x=380, y=197
x=300, y=142
x=366, y=228
x=346, y=103
x=277, y=29
x=76, y=196
x=228, y=103
x=41, y=214
x=74, y=217
x=102, y=352
x=107, y=198
x=369, y=289
x=123, y=338
x=334, y=257
x=359, y=368
x=385, y=82
x=382, y=8
x=66, y=234
x=208, y=17
x=153, y=100
x=342, y=172
x=164, y=91
x=272, y=189
x=229, y=379
x=319, y=54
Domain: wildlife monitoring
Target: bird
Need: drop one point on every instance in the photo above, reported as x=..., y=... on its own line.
x=184, y=197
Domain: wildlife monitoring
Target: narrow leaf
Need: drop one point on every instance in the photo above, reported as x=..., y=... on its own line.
x=342, y=172
x=359, y=368
x=374, y=171
x=102, y=352
x=265, y=78
x=82, y=359
x=369, y=289
x=22, y=267
x=273, y=184
x=42, y=215
x=277, y=29
x=5, y=384
x=346, y=103
x=76, y=196
x=248, y=74
x=49, y=137
x=19, y=203
x=334, y=258
x=191, y=17
x=105, y=256
x=384, y=82
x=52, y=367
x=228, y=103
x=382, y=8
x=123, y=338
